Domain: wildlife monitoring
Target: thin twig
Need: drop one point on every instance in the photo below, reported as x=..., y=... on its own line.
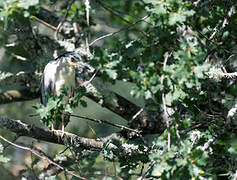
x=62, y=21
x=32, y=164
x=196, y=126
x=45, y=23
x=87, y=4
x=106, y=122
x=137, y=114
x=117, y=13
x=14, y=140
x=113, y=33
x=148, y=169
x=166, y=115
x=229, y=14
x=92, y=130
x=41, y=155
x=89, y=81
x=223, y=23
x=178, y=135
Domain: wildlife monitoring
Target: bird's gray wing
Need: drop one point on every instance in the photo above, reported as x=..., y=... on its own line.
x=47, y=86
x=76, y=78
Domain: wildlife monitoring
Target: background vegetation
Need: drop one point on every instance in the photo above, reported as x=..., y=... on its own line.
x=166, y=83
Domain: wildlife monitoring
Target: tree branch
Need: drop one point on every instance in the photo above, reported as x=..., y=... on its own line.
x=68, y=139
x=109, y=123
x=63, y=19
x=29, y=85
x=45, y=23
x=17, y=95
x=122, y=29
x=168, y=120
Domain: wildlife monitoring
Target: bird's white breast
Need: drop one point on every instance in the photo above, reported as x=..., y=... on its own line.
x=61, y=74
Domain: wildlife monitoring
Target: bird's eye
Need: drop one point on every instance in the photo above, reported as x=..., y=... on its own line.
x=73, y=59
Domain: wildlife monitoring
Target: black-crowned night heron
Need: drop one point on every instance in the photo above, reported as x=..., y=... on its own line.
x=61, y=72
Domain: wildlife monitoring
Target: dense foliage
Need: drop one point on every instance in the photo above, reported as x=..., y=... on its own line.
x=180, y=57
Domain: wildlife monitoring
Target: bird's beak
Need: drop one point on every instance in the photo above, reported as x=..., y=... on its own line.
x=85, y=66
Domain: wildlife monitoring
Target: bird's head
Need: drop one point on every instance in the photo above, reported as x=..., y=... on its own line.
x=74, y=60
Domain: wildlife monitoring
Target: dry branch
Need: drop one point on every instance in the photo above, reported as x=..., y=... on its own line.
x=109, y=123
x=116, y=32
x=17, y=95
x=63, y=20
x=68, y=139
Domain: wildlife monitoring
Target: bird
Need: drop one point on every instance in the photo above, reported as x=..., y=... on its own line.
x=58, y=73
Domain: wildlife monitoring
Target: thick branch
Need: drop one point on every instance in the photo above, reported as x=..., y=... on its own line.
x=147, y=121
x=28, y=87
x=22, y=79
x=68, y=139
x=115, y=103
x=17, y=95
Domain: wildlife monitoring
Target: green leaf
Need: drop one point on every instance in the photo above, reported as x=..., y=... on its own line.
x=51, y=104
x=74, y=7
x=83, y=103
x=2, y=158
x=68, y=109
x=155, y=89
x=148, y=94
x=233, y=151
x=111, y=73
x=175, y=18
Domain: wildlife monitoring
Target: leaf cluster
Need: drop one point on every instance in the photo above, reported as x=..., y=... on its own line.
x=64, y=103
